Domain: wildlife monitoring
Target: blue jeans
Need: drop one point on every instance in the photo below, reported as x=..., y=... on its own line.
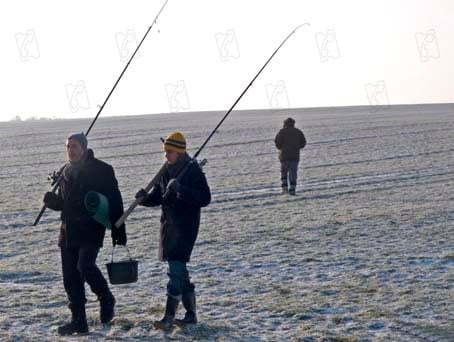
x=289, y=170
x=179, y=282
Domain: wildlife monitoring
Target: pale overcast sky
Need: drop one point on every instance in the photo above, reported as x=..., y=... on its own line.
x=61, y=58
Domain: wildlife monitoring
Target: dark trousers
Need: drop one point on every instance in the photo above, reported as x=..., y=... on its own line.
x=289, y=173
x=79, y=266
x=179, y=282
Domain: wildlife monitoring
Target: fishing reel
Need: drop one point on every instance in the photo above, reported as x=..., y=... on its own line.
x=202, y=163
x=53, y=176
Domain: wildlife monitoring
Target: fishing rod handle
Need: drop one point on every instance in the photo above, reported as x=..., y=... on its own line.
x=149, y=186
x=43, y=209
x=125, y=215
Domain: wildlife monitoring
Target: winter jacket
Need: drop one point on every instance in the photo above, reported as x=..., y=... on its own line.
x=180, y=212
x=78, y=226
x=289, y=141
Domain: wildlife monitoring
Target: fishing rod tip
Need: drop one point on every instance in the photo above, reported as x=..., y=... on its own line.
x=304, y=24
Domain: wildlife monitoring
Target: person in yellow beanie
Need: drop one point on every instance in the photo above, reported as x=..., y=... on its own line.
x=180, y=196
x=175, y=142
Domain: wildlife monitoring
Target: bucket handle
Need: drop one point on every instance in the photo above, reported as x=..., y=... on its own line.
x=113, y=249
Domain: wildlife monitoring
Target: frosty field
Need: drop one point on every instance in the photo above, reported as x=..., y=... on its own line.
x=364, y=252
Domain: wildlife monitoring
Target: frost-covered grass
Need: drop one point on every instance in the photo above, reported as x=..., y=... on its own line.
x=364, y=252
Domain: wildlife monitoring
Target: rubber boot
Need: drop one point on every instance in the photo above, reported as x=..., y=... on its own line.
x=292, y=190
x=171, y=308
x=78, y=324
x=189, y=304
x=107, y=307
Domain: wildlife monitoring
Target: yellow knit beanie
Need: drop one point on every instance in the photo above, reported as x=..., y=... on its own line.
x=175, y=142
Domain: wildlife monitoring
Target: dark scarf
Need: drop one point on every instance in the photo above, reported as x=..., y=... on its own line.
x=174, y=170
x=72, y=170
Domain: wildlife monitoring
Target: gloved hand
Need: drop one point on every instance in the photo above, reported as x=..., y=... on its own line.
x=173, y=185
x=50, y=197
x=141, y=194
x=119, y=236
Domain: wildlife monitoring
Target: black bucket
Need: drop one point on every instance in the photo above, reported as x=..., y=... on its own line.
x=122, y=272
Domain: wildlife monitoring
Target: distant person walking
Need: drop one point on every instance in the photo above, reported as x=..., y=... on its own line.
x=289, y=141
x=180, y=201
x=81, y=236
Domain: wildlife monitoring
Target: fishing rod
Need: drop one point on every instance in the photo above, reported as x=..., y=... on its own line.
x=156, y=178
x=60, y=176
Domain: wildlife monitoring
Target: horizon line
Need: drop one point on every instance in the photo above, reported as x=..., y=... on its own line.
x=44, y=118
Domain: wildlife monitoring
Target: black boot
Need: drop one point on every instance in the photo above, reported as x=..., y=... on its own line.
x=78, y=322
x=190, y=316
x=107, y=305
x=171, y=308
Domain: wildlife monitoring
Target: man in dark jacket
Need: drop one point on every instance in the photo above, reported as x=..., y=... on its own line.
x=289, y=141
x=180, y=198
x=81, y=236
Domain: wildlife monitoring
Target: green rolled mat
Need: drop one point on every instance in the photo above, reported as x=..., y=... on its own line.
x=98, y=206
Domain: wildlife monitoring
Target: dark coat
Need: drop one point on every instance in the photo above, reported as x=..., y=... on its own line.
x=78, y=226
x=289, y=141
x=180, y=216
